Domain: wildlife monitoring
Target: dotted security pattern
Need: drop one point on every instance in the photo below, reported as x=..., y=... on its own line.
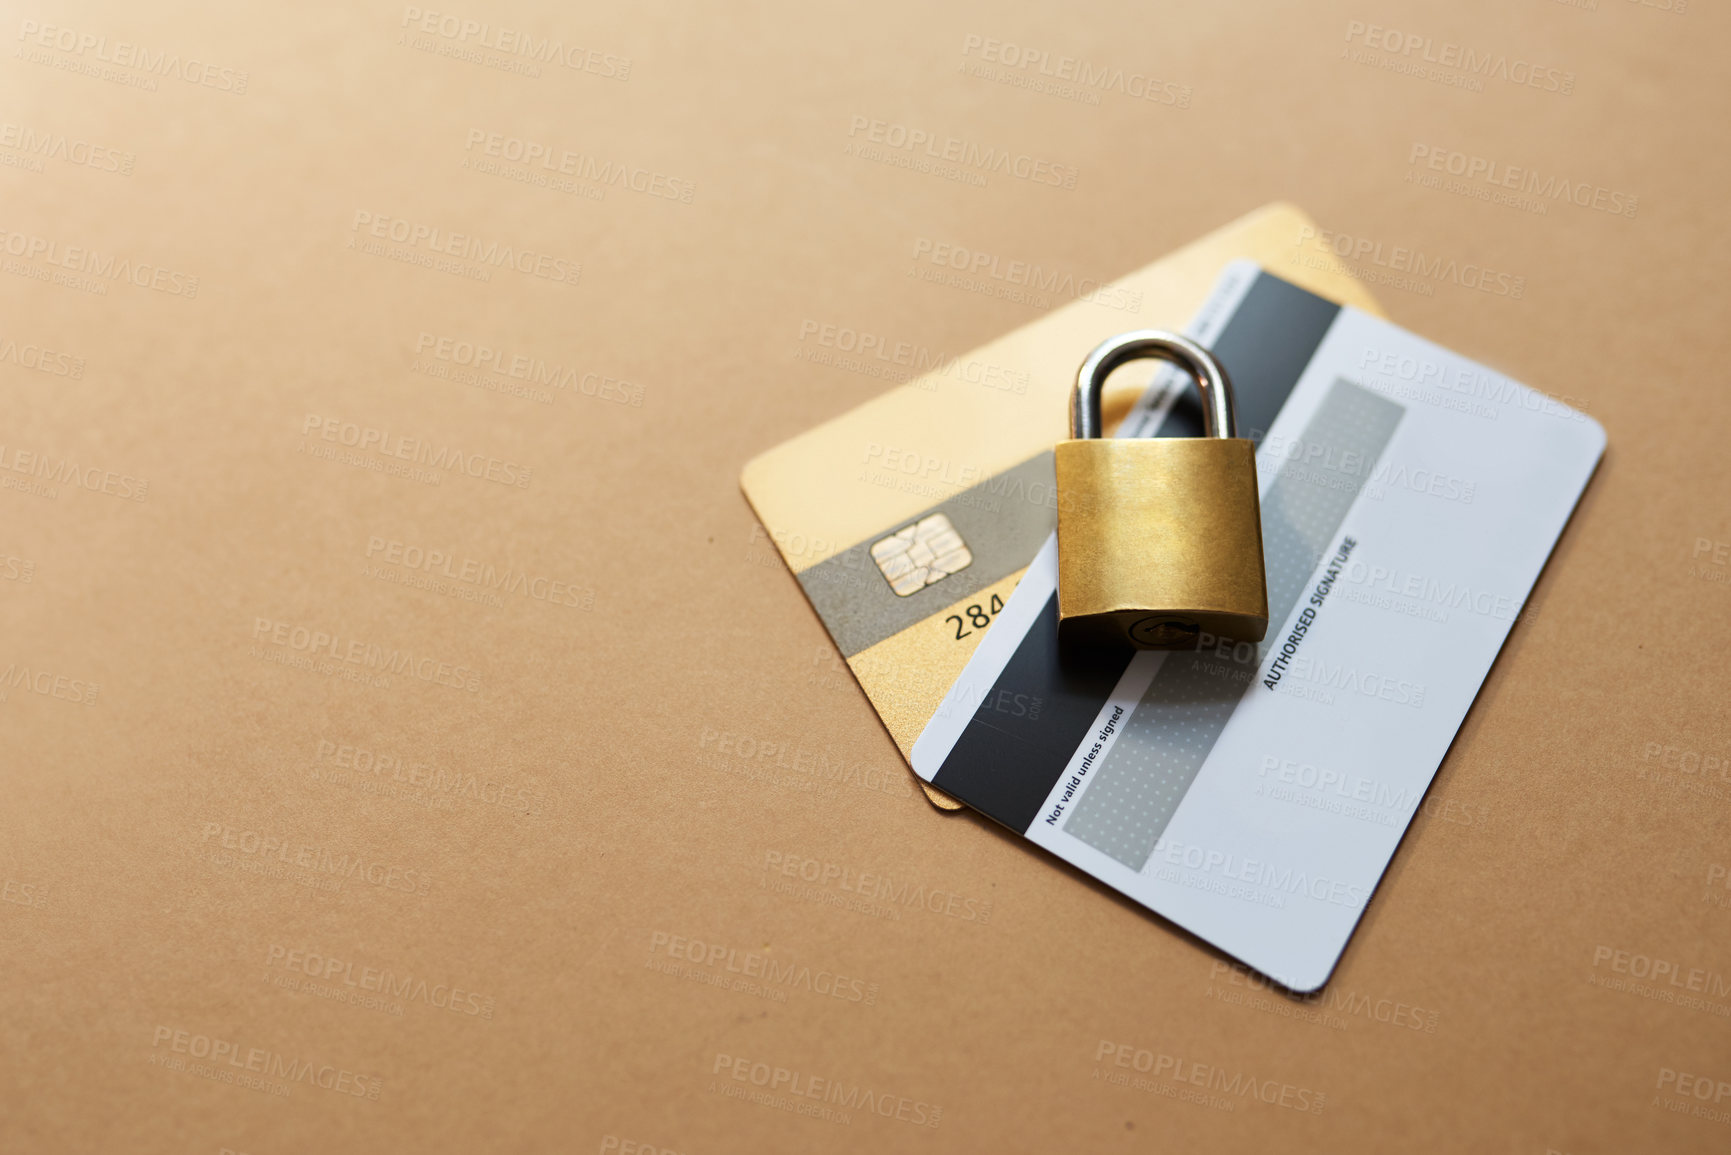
x=1141, y=781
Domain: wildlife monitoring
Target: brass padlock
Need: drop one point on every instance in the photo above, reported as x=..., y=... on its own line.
x=1159, y=539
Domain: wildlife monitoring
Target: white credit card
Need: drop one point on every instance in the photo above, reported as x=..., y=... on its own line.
x=1254, y=794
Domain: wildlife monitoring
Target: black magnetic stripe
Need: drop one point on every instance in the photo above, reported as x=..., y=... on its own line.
x=1031, y=723
x=1005, y=763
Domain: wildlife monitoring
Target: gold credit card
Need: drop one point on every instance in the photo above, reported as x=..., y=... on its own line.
x=909, y=519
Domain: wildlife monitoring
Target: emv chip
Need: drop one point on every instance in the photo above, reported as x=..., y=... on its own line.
x=927, y=551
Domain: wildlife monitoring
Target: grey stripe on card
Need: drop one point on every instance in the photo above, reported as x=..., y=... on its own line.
x=1002, y=521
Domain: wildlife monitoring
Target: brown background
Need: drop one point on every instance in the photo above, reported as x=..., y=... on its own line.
x=1583, y=811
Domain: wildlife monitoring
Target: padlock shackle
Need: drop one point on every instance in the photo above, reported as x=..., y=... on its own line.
x=1218, y=410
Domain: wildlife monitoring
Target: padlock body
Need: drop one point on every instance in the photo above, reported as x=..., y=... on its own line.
x=1159, y=541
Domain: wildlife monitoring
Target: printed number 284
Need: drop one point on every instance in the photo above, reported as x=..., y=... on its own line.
x=979, y=617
